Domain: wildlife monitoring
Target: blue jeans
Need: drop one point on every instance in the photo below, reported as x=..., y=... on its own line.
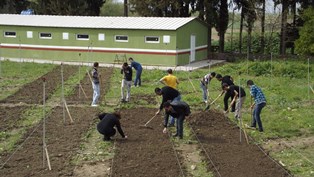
x=173, y=120
x=180, y=121
x=96, y=94
x=204, y=90
x=256, y=116
x=138, y=80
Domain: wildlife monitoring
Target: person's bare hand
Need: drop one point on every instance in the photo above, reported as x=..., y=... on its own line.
x=165, y=130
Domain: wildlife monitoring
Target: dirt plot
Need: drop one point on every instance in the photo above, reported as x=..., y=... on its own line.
x=9, y=116
x=221, y=140
x=32, y=93
x=83, y=93
x=146, y=152
x=62, y=143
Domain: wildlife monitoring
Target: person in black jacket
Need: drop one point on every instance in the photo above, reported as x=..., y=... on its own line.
x=238, y=94
x=126, y=82
x=107, y=123
x=178, y=110
x=168, y=94
x=228, y=80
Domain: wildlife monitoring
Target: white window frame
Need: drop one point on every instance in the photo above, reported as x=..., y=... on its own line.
x=14, y=36
x=65, y=36
x=44, y=37
x=29, y=34
x=83, y=39
x=146, y=41
x=118, y=40
x=101, y=37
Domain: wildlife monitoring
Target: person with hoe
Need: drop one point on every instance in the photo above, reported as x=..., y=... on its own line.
x=204, y=84
x=178, y=110
x=170, y=80
x=168, y=94
x=228, y=80
x=95, y=84
x=238, y=95
x=138, y=67
x=258, y=104
x=107, y=125
x=126, y=82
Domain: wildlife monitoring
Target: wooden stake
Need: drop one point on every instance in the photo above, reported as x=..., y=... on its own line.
x=66, y=107
x=90, y=77
x=82, y=90
x=47, y=156
x=312, y=89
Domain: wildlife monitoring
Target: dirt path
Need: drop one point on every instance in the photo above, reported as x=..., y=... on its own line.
x=147, y=152
x=220, y=139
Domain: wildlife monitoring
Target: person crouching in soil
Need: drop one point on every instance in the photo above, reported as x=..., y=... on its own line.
x=107, y=123
x=178, y=110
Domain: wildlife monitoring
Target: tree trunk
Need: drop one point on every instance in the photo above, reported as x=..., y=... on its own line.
x=283, y=27
x=126, y=8
x=263, y=27
x=240, y=33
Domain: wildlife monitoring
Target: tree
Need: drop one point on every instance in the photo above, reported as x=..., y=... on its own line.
x=221, y=24
x=13, y=6
x=165, y=8
x=305, y=44
x=68, y=7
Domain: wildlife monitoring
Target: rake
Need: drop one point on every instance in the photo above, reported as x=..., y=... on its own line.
x=208, y=106
x=145, y=125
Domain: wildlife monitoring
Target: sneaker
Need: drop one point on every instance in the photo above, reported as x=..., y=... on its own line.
x=106, y=139
x=250, y=127
x=206, y=101
x=94, y=105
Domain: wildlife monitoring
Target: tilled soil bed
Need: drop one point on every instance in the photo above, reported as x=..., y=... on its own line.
x=62, y=143
x=221, y=141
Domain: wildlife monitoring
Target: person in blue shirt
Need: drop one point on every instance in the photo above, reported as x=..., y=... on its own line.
x=138, y=67
x=258, y=104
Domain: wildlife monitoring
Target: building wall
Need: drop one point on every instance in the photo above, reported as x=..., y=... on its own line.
x=106, y=51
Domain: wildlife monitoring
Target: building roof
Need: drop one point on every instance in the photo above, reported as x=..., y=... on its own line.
x=155, y=23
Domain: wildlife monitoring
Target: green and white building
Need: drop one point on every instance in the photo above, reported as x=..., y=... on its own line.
x=150, y=40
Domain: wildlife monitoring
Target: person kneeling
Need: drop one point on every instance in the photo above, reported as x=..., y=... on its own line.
x=107, y=123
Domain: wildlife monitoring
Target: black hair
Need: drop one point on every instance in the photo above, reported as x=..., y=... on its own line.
x=131, y=58
x=169, y=71
x=249, y=82
x=102, y=115
x=96, y=64
x=125, y=64
x=157, y=90
x=223, y=85
x=218, y=76
x=166, y=104
x=213, y=74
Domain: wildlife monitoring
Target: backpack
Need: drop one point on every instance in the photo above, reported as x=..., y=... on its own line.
x=187, y=110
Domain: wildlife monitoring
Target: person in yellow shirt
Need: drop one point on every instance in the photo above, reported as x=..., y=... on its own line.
x=170, y=80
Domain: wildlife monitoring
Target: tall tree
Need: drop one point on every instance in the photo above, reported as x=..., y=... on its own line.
x=13, y=6
x=222, y=23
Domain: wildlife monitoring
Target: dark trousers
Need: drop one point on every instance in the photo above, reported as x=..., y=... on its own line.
x=226, y=98
x=108, y=133
x=256, y=116
x=180, y=121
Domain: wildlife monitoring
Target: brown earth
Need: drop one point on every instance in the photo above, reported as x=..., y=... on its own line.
x=32, y=93
x=221, y=141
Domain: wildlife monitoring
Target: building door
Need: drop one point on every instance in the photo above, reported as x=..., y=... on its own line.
x=192, y=51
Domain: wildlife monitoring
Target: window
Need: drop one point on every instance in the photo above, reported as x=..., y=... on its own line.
x=45, y=35
x=166, y=39
x=151, y=39
x=9, y=34
x=121, y=38
x=65, y=36
x=29, y=34
x=82, y=37
x=101, y=37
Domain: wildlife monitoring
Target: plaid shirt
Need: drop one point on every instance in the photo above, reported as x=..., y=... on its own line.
x=258, y=95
